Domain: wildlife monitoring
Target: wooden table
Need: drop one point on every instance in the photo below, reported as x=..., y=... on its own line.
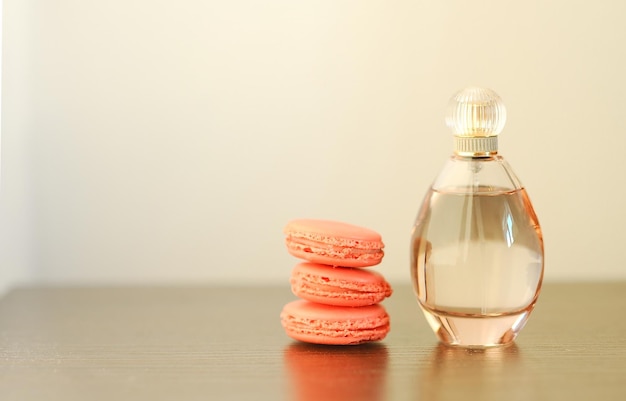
x=216, y=343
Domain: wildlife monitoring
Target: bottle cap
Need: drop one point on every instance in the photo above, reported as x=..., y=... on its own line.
x=476, y=116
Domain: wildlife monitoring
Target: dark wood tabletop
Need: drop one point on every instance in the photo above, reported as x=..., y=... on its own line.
x=226, y=343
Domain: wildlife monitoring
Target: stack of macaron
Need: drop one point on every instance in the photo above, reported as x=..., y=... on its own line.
x=339, y=297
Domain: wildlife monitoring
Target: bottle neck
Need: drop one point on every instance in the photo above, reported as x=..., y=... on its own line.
x=470, y=174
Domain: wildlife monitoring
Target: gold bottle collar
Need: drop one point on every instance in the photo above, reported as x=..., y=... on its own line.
x=476, y=146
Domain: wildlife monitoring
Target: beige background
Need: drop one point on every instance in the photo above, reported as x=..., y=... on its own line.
x=170, y=141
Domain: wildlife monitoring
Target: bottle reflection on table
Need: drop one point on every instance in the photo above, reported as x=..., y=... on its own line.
x=498, y=373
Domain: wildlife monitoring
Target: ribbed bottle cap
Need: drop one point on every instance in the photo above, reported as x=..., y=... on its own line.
x=476, y=116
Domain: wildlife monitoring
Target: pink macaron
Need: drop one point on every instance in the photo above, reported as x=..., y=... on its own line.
x=333, y=243
x=341, y=286
x=334, y=325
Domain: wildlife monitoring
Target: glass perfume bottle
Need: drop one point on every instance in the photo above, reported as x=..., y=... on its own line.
x=476, y=246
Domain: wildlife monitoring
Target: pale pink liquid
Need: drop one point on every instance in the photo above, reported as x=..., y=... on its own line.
x=477, y=264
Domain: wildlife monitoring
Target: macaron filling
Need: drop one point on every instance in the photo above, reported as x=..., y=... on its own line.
x=298, y=244
x=317, y=238
x=321, y=293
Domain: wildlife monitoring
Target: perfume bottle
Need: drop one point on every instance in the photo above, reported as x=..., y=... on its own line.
x=476, y=246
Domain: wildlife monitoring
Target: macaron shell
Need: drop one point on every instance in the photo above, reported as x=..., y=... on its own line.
x=334, y=325
x=349, y=234
x=333, y=243
x=341, y=286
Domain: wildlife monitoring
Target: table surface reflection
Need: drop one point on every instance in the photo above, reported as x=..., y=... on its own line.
x=219, y=343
